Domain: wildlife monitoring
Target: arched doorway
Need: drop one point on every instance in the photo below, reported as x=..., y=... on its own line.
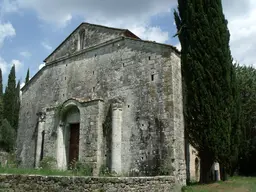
x=68, y=137
x=72, y=122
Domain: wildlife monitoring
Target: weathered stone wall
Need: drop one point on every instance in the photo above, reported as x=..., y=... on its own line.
x=23, y=183
x=143, y=77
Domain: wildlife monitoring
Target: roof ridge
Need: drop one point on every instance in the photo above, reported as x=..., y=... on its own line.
x=99, y=25
x=154, y=42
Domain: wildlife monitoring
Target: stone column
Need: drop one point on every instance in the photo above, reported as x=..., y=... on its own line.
x=61, y=150
x=116, y=164
x=40, y=129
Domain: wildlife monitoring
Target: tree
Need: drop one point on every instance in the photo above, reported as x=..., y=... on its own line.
x=1, y=98
x=206, y=68
x=1, y=83
x=237, y=123
x=10, y=98
x=246, y=77
x=16, y=107
x=1, y=111
x=27, y=77
x=7, y=136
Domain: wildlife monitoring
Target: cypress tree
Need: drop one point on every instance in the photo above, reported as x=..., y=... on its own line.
x=7, y=136
x=246, y=77
x=1, y=83
x=1, y=98
x=27, y=77
x=16, y=107
x=1, y=111
x=10, y=97
x=2, y=131
x=206, y=67
x=236, y=131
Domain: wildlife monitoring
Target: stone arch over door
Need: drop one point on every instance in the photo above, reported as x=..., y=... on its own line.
x=68, y=135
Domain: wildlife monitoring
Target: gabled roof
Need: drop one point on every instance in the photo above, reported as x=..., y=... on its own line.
x=125, y=32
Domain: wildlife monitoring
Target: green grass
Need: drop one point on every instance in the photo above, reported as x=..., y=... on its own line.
x=19, y=171
x=234, y=184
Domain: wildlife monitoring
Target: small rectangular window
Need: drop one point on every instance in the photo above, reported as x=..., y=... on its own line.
x=42, y=147
x=152, y=77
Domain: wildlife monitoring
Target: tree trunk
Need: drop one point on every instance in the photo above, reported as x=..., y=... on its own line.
x=205, y=169
x=223, y=173
x=233, y=170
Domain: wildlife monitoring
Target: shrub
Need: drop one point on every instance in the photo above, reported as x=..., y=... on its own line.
x=7, y=136
x=81, y=168
x=48, y=163
x=104, y=171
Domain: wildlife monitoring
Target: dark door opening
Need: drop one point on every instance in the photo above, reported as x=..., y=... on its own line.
x=73, y=144
x=42, y=147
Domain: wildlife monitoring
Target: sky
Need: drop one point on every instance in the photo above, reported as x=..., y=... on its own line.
x=31, y=29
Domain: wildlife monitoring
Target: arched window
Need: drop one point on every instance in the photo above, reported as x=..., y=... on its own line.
x=81, y=37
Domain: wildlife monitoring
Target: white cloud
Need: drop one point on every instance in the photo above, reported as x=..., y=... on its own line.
x=242, y=18
x=151, y=33
x=41, y=66
x=178, y=46
x=25, y=54
x=133, y=15
x=97, y=8
x=18, y=64
x=22, y=84
x=6, y=31
x=141, y=28
x=65, y=20
x=3, y=65
x=7, y=6
x=46, y=45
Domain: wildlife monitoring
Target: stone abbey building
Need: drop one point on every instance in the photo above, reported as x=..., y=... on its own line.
x=106, y=98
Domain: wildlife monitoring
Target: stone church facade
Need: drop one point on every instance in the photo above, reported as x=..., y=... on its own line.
x=106, y=98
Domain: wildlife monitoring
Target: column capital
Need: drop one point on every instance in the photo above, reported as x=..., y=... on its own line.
x=61, y=124
x=117, y=105
x=41, y=116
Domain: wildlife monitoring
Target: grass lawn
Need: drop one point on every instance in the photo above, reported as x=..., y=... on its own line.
x=234, y=184
x=18, y=171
